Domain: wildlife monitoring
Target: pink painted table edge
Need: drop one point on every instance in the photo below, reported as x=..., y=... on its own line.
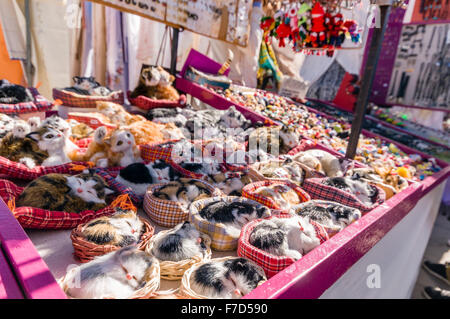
x=32, y=273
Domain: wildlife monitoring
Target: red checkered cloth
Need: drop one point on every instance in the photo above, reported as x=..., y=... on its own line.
x=157, y=151
x=36, y=218
x=40, y=104
x=72, y=99
x=304, y=145
x=221, y=240
x=270, y=263
x=92, y=121
x=317, y=190
x=248, y=191
x=169, y=213
x=20, y=171
x=147, y=103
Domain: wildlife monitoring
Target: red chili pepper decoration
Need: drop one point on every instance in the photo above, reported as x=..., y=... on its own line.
x=283, y=31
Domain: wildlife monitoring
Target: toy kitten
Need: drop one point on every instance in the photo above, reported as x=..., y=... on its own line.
x=332, y=216
x=60, y=192
x=53, y=142
x=292, y=237
x=233, y=215
x=321, y=161
x=140, y=176
x=13, y=94
x=88, y=86
x=164, y=89
x=148, y=80
x=229, y=183
x=283, y=195
x=207, y=167
x=64, y=127
x=115, y=275
x=6, y=124
x=123, y=228
x=365, y=192
x=274, y=139
x=180, y=243
x=229, y=279
x=167, y=115
x=185, y=191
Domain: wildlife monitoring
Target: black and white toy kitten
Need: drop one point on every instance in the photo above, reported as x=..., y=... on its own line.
x=365, y=192
x=140, y=176
x=207, y=167
x=180, y=243
x=331, y=215
x=115, y=275
x=292, y=237
x=167, y=115
x=233, y=215
x=88, y=86
x=229, y=279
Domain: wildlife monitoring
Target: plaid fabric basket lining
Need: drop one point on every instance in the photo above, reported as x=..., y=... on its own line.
x=72, y=99
x=220, y=239
x=248, y=191
x=168, y=213
x=317, y=190
x=157, y=151
x=270, y=263
x=304, y=145
x=36, y=218
x=40, y=104
x=147, y=103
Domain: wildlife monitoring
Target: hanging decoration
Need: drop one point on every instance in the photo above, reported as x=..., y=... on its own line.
x=311, y=27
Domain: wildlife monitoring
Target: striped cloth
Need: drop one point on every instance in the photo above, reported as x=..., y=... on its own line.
x=40, y=104
x=248, y=191
x=36, y=218
x=147, y=103
x=72, y=99
x=270, y=263
x=221, y=240
x=169, y=213
x=317, y=190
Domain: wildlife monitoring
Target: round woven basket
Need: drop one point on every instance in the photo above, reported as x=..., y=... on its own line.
x=168, y=213
x=185, y=288
x=86, y=250
x=148, y=291
x=221, y=239
x=174, y=270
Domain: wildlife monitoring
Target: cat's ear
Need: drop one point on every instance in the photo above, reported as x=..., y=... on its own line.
x=76, y=79
x=33, y=135
x=109, y=191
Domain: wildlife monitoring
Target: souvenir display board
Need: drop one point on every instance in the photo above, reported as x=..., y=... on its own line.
x=226, y=20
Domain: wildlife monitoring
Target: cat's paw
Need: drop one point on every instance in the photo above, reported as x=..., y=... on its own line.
x=103, y=162
x=293, y=254
x=100, y=134
x=29, y=162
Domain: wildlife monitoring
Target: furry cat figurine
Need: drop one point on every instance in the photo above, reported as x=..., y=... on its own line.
x=321, y=161
x=64, y=127
x=229, y=183
x=165, y=89
x=365, y=192
x=283, y=195
x=335, y=217
x=54, y=143
x=274, y=139
x=60, y=192
x=13, y=94
x=184, y=192
x=110, y=149
x=292, y=237
x=229, y=279
x=148, y=80
x=233, y=215
x=140, y=176
x=115, y=275
x=180, y=243
x=123, y=228
x=167, y=115
x=87, y=86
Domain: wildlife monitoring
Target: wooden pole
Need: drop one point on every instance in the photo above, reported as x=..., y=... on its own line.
x=174, y=51
x=367, y=79
x=28, y=64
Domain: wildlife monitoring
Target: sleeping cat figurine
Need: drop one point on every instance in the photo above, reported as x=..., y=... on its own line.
x=321, y=161
x=180, y=243
x=233, y=215
x=61, y=192
x=116, y=148
x=230, y=183
x=283, y=195
x=13, y=94
x=184, y=192
x=333, y=216
x=87, y=86
x=123, y=228
x=274, y=139
x=115, y=275
x=292, y=237
x=229, y=279
x=140, y=176
x=365, y=192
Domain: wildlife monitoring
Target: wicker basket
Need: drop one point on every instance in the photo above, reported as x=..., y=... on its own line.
x=86, y=250
x=185, y=288
x=221, y=239
x=146, y=292
x=168, y=213
x=249, y=191
x=174, y=270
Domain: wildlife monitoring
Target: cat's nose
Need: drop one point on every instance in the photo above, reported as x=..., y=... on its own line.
x=79, y=190
x=133, y=231
x=129, y=142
